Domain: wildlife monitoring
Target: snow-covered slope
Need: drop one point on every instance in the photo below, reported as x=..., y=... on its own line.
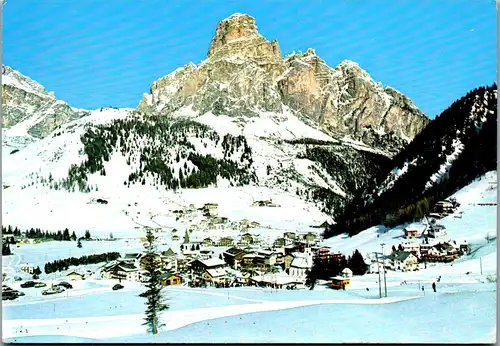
x=265, y=152
x=475, y=224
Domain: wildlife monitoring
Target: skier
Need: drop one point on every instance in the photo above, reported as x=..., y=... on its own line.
x=434, y=286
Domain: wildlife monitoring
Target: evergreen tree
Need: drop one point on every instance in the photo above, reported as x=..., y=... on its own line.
x=357, y=264
x=87, y=235
x=111, y=236
x=197, y=246
x=66, y=235
x=79, y=244
x=73, y=236
x=186, y=237
x=6, y=249
x=155, y=301
x=37, y=271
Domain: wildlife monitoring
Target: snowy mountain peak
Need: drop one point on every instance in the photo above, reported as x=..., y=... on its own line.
x=29, y=111
x=16, y=79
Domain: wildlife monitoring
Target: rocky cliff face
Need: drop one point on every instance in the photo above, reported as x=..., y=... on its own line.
x=27, y=104
x=244, y=74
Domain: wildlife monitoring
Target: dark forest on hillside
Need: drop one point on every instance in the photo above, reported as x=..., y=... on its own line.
x=471, y=120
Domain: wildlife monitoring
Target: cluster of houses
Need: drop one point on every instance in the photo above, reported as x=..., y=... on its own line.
x=250, y=265
x=422, y=244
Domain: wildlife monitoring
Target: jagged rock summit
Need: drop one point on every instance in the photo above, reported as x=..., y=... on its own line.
x=244, y=75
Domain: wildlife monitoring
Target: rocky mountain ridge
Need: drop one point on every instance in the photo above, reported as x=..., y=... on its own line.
x=244, y=74
x=30, y=112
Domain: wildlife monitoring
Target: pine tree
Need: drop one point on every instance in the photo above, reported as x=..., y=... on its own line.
x=6, y=249
x=79, y=244
x=73, y=236
x=111, y=236
x=37, y=271
x=155, y=301
x=357, y=263
x=87, y=235
x=66, y=234
x=197, y=246
x=186, y=237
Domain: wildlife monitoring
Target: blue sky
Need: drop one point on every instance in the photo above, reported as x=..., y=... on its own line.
x=107, y=53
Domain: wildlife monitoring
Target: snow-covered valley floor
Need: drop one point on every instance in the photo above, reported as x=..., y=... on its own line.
x=456, y=313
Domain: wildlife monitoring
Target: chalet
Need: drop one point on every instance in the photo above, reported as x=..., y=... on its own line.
x=424, y=249
x=169, y=279
x=279, y=242
x=435, y=252
x=199, y=266
x=210, y=209
x=248, y=260
x=290, y=235
x=207, y=242
x=127, y=272
x=219, y=220
x=444, y=207
x=131, y=257
x=73, y=276
x=411, y=246
x=280, y=258
x=270, y=260
x=338, y=282
x=446, y=249
x=234, y=256
x=464, y=248
x=181, y=265
x=436, y=231
x=347, y=273
x=404, y=261
x=265, y=203
x=216, y=276
x=254, y=224
x=247, y=238
x=158, y=260
x=226, y=241
x=28, y=268
x=413, y=230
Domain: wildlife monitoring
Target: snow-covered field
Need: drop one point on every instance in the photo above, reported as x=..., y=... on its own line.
x=228, y=315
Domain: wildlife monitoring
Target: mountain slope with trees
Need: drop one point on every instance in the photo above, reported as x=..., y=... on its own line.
x=454, y=149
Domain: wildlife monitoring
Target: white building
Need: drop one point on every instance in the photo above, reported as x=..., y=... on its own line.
x=301, y=263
